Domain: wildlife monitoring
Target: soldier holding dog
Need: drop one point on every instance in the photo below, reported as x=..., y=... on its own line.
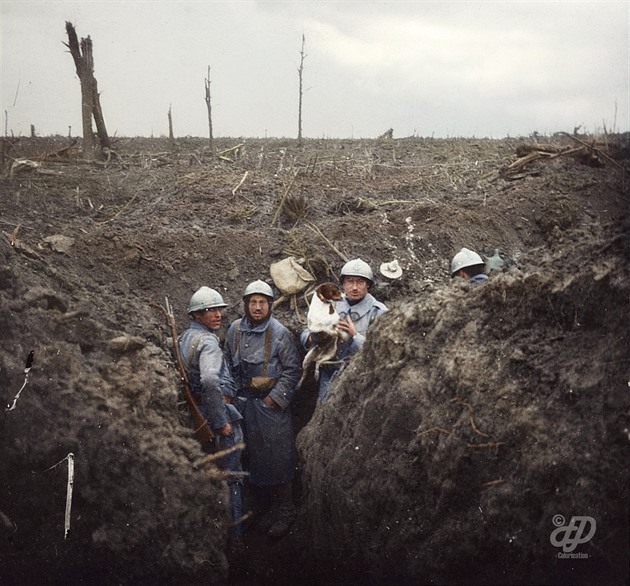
x=357, y=310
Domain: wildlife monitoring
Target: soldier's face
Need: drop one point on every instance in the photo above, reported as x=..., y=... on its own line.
x=258, y=308
x=211, y=318
x=355, y=288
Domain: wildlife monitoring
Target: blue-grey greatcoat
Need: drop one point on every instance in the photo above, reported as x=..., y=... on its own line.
x=210, y=379
x=269, y=438
x=209, y=375
x=362, y=313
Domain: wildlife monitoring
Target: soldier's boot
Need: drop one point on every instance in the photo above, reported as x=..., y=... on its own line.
x=284, y=511
x=264, y=506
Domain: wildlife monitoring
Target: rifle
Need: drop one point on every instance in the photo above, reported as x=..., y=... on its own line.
x=203, y=433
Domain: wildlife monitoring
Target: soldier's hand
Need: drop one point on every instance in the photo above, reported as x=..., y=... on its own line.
x=225, y=430
x=347, y=325
x=269, y=402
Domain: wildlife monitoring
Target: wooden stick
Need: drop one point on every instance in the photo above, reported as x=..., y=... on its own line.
x=121, y=210
x=592, y=147
x=29, y=364
x=470, y=415
x=294, y=305
x=240, y=183
x=494, y=482
x=218, y=455
x=234, y=148
x=279, y=301
x=69, y=488
x=319, y=233
x=440, y=429
x=284, y=197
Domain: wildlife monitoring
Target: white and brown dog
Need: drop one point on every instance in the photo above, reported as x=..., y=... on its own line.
x=323, y=323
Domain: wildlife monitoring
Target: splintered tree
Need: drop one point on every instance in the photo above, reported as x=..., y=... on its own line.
x=300, y=71
x=171, y=136
x=209, y=105
x=90, y=100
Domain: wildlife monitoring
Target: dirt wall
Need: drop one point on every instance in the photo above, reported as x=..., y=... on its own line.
x=144, y=505
x=471, y=418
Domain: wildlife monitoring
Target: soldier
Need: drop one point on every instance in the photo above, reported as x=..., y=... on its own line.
x=467, y=264
x=357, y=310
x=265, y=362
x=211, y=383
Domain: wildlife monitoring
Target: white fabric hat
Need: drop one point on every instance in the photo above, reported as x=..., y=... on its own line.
x=391, y=270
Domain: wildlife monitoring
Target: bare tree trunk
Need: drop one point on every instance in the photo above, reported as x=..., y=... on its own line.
x=101, y=130
x=300, y=71
x=171, y=136
x=33, y=131
x=90, y=101
x=4, y=141
x=209, y=105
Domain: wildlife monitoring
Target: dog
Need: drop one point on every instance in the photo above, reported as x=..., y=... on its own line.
x=323, y=323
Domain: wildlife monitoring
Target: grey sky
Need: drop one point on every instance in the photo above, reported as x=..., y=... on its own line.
x=422, y=68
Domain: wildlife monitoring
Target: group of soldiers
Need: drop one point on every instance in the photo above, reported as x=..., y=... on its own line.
x=244, y=388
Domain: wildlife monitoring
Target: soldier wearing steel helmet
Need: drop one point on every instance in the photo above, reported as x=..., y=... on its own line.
x=265, y=362
x=468, y=265
x=357, y=310
x=212, y=384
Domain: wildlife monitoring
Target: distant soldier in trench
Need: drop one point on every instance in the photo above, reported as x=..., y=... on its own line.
x=468, y=265
x=265, y=362
x=212, y=385
x=357, y=310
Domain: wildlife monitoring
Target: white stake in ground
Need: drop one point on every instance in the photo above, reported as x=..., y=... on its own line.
x=70, y=485
x=27, y=368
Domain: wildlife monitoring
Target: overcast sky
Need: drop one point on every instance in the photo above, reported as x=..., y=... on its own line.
x=458, y=69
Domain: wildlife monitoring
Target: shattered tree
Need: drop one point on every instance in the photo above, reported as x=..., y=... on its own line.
x=300, y=73
x=209, y=107
x=90, y=100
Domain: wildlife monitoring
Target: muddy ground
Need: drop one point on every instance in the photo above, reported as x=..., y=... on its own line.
x=450, y=445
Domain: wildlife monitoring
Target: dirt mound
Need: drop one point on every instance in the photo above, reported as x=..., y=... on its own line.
x=471, y=418
x=144, y=504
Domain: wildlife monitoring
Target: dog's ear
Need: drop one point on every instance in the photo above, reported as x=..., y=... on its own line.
x=329, y=291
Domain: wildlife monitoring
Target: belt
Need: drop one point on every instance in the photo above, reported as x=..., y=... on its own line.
x=257, y=392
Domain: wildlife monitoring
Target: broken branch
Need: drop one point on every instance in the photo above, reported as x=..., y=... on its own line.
x=240, y=183
x=218, y=455
x=319, y=233
x=439, y=429
x=284, y=197
x=470, y=415
x=27, y=368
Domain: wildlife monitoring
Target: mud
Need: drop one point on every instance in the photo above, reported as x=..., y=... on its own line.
x=470, y=420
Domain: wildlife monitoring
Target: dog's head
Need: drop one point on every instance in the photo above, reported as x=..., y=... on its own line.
x=328, y=292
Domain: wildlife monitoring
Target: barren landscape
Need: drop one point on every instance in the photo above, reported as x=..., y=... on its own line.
x=471, y=419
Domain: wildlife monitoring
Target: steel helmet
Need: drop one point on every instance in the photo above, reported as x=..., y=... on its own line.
x=357, y=268
x=258, y=288
x=205, y=298
x=463, y=259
